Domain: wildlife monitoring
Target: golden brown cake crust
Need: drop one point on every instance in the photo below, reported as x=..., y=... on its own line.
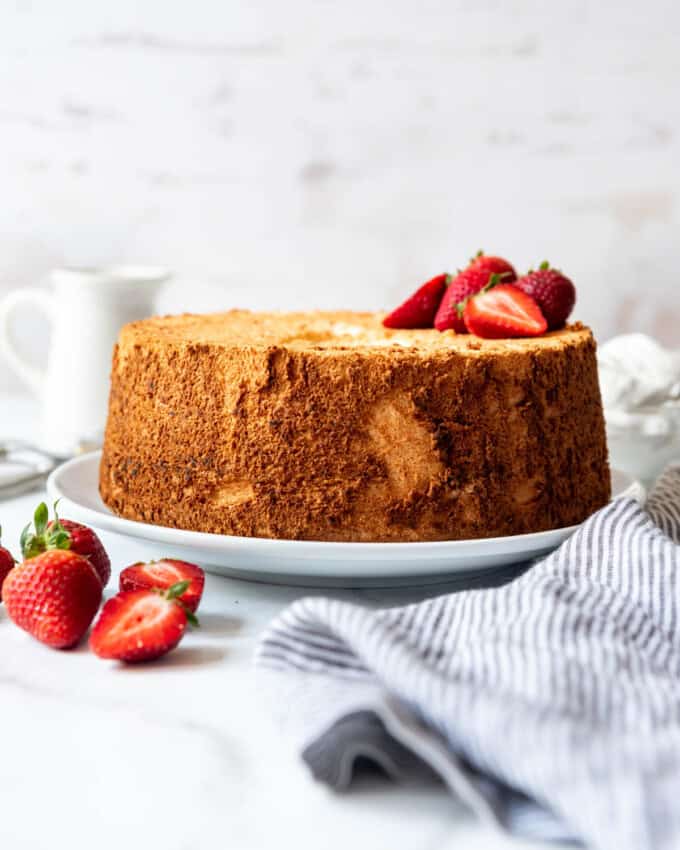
x=327, y=426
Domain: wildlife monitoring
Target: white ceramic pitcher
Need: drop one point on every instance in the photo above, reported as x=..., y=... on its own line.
x=85, y=309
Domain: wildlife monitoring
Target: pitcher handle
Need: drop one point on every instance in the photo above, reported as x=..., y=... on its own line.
x=32, y=376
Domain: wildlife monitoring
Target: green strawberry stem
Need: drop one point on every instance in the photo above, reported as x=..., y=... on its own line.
x=41, y=518
x=177, y=589
x=544, y=266
x=173, y=594
x=495, y=278
x=192, y=619
x=40, y=538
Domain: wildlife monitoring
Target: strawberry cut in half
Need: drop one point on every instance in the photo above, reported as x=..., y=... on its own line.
x=501, y=311
x=419, y=310
x=141, y=625
x=162, y=575
x=64, y=534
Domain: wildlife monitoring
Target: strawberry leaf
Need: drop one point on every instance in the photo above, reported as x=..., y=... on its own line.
x=173, y=594
x=60, y=540
x=494, y=279
x=24, y=540
x=40, y=518
x=192, y=619
x=56, y=527
x=177, y=589
x=45, y=535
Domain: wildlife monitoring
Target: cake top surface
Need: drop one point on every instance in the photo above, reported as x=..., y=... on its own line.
x=330, y=331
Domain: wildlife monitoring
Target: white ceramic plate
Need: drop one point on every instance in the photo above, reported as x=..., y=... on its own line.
x=303, y=561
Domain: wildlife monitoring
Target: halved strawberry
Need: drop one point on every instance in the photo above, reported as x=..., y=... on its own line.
x=493, y=265
x=419, y=310
x=464, y=284
x=140, y=625
x=503, y=311
x=161, y=575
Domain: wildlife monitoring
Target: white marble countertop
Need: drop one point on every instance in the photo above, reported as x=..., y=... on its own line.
x=181, y=753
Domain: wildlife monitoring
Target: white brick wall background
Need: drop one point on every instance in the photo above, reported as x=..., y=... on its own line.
x=335, y=154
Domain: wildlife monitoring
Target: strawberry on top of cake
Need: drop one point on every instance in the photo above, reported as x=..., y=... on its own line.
x=488, y=299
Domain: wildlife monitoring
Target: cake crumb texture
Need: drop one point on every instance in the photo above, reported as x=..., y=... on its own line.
x=327, y=426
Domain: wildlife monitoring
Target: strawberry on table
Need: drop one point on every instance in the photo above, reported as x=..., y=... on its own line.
x=64, y=534
x=419, y=309
x=493, y=265
x=464, y=284
x=162, y=575
x=501, y=311
x=6, y=564
x=53, y=597
x=141, y=625
x=554, y=293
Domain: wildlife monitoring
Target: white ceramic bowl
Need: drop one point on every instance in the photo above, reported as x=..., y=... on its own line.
x=642, y=443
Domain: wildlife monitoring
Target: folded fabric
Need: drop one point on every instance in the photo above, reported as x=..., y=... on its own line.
x=550, y=705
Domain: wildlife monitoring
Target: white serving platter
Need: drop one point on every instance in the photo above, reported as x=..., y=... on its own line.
x=309, y=562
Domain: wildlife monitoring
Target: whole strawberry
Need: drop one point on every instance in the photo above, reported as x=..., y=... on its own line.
x=141, y=625
x=6, y=564
x=493, y=265
x=419, y=309
x=464, y=284
x=53, y=597
x=64, y=534
x=554, y=293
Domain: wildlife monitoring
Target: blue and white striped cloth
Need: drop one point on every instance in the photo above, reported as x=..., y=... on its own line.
x=551, y=705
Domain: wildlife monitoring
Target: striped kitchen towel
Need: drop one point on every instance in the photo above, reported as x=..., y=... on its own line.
x=550, y=705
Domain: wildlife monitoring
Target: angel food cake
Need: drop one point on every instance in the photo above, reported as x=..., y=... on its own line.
x=330, y=426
